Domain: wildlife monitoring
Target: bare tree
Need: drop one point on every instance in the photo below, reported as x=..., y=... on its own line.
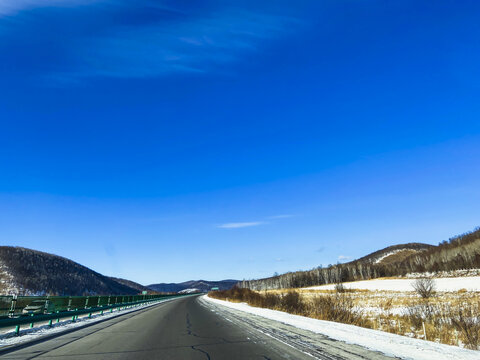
x=425, y=287
x=340, y=288
x=467, y=321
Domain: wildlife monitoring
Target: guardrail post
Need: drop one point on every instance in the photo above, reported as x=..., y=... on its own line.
x=17, y=330
x=31, y=324
x=47, y=303
x=12, y=305
x=50, y=323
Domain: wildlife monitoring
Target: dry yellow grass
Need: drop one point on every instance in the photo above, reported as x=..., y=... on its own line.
x=405, y=313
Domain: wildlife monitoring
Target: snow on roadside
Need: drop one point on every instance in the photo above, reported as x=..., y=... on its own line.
x=470, y=283
x=8, y=338
x=387, y=343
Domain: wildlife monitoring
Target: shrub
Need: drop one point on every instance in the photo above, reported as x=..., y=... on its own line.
x=466, y=319
x=272, y=301
x=249, y=296
x=292, y=303
x=338, y=308
x=420, y=313
x=339, y=287
x=425, y=287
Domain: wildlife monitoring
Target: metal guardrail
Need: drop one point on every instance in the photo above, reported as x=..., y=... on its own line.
x=12, y=307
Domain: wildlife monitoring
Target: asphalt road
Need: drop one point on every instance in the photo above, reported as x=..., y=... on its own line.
x=190, y=328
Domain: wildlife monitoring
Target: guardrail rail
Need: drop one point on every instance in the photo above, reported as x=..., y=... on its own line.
x=12, y=312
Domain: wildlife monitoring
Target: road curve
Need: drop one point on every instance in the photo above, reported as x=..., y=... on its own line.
x=182, y=329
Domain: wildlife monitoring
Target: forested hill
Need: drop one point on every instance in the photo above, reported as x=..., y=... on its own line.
x=131, y=284
x=202, y=285
x=393, y=254
x=26, y=271
x=459, y=252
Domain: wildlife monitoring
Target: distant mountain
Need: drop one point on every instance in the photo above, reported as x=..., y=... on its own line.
x=131, y=284
x=30, y=272
x=201, y=285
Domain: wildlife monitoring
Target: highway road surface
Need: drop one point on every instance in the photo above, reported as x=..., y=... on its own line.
x=191, y=328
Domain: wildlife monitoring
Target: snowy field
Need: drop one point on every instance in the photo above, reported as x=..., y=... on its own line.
x=470, y=283
x=389, y=344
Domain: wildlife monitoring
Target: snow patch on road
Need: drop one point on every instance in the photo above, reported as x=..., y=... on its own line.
x=389, y=344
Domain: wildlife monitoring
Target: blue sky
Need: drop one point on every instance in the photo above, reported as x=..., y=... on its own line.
x=172, y=140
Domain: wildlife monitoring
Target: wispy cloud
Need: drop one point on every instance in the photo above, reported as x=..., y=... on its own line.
x=191, y=45
x=237, y=225
x=282, y=216
x=147, y=38
x=12, y=7
x=343, y=257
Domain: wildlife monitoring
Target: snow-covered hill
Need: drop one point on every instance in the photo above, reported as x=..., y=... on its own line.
x=394, y=254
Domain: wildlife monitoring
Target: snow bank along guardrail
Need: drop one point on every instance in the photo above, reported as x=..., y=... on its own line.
x=16, y=311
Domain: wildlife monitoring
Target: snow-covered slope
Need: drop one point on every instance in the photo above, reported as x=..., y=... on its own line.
x=393, y=254
x=7, y=280
x=189, y=291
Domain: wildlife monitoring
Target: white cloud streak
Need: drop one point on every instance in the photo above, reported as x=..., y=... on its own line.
x=283, y=216
x=197, y=45
x=191, y=43
x=238, y=225
x=12, y=7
